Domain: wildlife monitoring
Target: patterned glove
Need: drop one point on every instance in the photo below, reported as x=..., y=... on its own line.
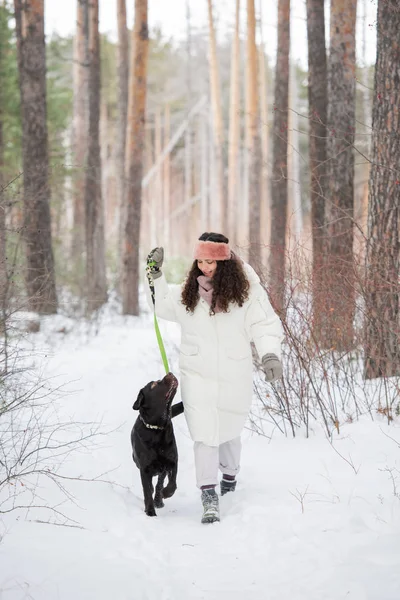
x=272, y=367
x=154, y=262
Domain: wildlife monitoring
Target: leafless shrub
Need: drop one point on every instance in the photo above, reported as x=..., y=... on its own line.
x=37, y=439
x=320, y=385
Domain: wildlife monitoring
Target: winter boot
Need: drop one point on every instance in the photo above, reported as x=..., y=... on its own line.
x=210, y=502
x=227, y=485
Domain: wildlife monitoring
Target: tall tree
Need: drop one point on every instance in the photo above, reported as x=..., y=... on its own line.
x=123, y=85
x=80, y=123
x=3, y=271
x=40, y=279
x=166, y=179
x=134, y=160
x=264, y=128
x=382, y=347
x=340, y=207
x=218, y=129
x=234, y=130
x=279, y=184
x=318, y=114
x=253, y=140
x=94, y=212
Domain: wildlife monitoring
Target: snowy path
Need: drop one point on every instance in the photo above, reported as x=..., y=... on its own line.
x=342, y=544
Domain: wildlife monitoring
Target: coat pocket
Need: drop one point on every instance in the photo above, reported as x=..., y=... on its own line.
x=189, y=349
x=238, y=353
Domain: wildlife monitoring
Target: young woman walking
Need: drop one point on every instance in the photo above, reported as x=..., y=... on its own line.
x=221, y=308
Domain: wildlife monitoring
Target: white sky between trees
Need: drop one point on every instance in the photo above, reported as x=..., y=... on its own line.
x=170, y=15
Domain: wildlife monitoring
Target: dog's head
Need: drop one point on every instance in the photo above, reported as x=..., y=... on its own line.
x=155, y=399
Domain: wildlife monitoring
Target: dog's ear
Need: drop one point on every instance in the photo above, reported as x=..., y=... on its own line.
x=139, y=401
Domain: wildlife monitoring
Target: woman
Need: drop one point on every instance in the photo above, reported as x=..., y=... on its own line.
x=221, y=308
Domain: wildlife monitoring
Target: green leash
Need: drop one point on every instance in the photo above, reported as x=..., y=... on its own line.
x=156, y=327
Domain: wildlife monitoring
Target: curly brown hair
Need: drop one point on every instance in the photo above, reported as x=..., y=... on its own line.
x=230, y=284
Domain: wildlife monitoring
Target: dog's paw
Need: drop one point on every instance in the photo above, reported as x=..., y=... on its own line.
x=150, y=512
x=169, y=490
x=158, y=502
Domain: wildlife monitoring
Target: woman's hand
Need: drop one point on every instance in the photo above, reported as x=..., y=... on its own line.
x=272, y=367
x=154, y=262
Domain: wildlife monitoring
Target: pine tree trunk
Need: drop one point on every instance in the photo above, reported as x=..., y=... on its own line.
x=3, y=264
x=135, y=151
x=94, y=211
x=40, y=278
x=234, y=132
x=295, y=215
x=166, y=180
x=221, y=220
x=157, y=199
x=123, y=85
x=253, y=140
x=318, y=114
x=279, y=184
x=340, y=208
x=382, y=331
x=265, y=195
x=80, y=125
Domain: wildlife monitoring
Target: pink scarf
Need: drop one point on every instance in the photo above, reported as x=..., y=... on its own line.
x=206, y=290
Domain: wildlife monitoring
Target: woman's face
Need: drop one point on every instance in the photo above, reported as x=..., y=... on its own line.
x=207, y=267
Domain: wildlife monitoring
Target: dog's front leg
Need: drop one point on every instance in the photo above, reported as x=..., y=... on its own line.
x=170, y=488
x=158, y=498
x=148, y=494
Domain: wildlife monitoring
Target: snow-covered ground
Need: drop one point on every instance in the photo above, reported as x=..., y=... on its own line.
x=308, y=521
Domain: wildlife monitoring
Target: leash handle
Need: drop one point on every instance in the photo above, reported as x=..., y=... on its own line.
x=156, y=327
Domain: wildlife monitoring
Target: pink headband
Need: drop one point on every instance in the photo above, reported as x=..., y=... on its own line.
x=211, y=251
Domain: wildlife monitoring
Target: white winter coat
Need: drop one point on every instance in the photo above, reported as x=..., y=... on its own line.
x=216, y=369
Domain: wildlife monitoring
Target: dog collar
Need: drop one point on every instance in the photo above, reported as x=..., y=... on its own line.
x=148, y=424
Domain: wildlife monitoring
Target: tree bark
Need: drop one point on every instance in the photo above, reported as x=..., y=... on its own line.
x=134, y=167
x=279, y=184
x=221, y=220
x=3, y=264
x=166, y=179
x=39, y=275
x=234, y=132
x=295, y=211
x=80, y=125
x=123, y=86
x=339, y=328
x=253, y=140
x=382, y=348
x=94, y=211
x=264, y=194
x=318, y=114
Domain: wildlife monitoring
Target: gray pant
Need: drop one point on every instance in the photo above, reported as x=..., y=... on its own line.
x=208, y=459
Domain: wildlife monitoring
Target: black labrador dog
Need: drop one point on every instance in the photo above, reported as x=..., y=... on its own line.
x=153, y=442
